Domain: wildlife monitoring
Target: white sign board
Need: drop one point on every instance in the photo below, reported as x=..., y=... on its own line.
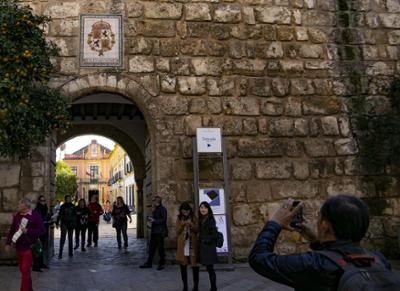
x=215, y=197
x=220, y=220
x=208, y=140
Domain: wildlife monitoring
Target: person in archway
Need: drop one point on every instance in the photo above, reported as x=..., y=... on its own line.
x=186, y=253
x=25, y=230
x=93, y=222
x=120, y=214
x=67, y=217
x=42, y=209
x=82, y=216
x=207, y=254
x=159, y=231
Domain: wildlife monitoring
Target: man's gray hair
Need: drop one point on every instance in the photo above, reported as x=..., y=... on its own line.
x=26, y=201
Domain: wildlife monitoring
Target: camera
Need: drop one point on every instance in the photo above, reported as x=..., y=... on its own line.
x=298, y=218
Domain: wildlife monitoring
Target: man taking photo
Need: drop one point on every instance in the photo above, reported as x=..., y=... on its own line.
x=336, y=260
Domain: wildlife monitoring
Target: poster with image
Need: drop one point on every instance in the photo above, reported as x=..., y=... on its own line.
x=220, y=220
x=215, y=197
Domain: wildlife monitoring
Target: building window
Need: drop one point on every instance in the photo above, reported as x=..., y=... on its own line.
x=74, y=169
x=94, y=151
x=94, y=172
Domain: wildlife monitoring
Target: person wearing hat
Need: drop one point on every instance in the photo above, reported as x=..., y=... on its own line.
x=67, y=217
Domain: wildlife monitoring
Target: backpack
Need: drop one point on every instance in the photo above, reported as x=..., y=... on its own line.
x=375, y=277
x=220, y=239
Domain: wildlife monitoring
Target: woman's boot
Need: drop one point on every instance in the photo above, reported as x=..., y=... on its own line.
x=195, y=278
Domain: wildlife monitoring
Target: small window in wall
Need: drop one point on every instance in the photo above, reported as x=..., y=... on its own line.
x=74, y=169
x=94, y=151
x=94, y=172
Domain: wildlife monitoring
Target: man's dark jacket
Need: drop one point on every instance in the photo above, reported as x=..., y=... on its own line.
x=159, y=224
x=310, y=271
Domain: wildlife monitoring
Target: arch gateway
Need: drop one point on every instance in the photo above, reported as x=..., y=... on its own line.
x=275, y=75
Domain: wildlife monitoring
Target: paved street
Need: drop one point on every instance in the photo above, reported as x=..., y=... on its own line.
x=107, y=268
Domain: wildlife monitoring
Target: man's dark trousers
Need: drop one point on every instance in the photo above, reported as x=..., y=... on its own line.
x=156, y=240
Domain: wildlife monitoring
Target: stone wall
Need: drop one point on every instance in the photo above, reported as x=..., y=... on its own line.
x=273, y=74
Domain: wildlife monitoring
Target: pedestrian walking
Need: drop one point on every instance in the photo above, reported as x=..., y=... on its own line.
x=25, y=230
x=93, y=222
x=159, y=231
x=67, y=217
x=186, y=253
x=107, y=212
x=207, y=254
x=82, y=216
x=42, y=209
x=120, y=214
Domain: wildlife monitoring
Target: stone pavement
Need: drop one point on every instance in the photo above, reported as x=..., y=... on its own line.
x=106, y=269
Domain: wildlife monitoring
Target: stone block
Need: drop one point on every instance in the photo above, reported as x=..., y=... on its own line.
x=260, y=86
x=379, y=68
x=329, y=125
x=342, y=186
x=258, y=191
x=238, y=191
x=248, y=67
x=294, y=148
x=192, y=85
x=300, y=127
x=301, y=170
x=319, y=147
x=207, y=66
x=323, y=87
x=301, y=34
x=241, y=169
x=9, y=174
x=249, y=126
x=192, y=122
x=214, y=105
x=168, y=84
x=262, y=125
x=232, y=126
x=294, y=189
x=274, y=50
x=37, y=169
x=316, y=35
x=68, y=66
x=228, y=13
x=281, y=127
x=150, y=82
x=134, y=9
x=390, y=20
x=37, y=184
x=393, y=6
x=221, y=86
x=313, y=51
x=197, y=12
x=180, y=66
x=174, y=105
x=280, y=87
x=321, y=105
x=279, y=15
x=193, y=47
x=293, y=106
x=272, y=107
x=248, y=15
x=301, y=87
x=162, y=10
x=394, y=37
x=284, y=33
x=141, y=64
x=10, y=199
x=197, y=105
x=344, y=126
x=241, y=106
x=160, y=28
x=266, y=169
x=244, y=214
x=62, y=10
x=168, y=47
x=262, y=147
x=292, y=66
x=346, y=146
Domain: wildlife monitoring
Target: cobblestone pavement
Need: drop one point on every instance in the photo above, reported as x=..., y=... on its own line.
x=106, y=269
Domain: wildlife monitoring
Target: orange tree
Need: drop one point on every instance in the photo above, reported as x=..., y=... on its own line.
x=29, y=109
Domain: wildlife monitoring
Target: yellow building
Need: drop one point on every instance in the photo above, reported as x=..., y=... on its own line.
x=91, y=166
x=122, y=178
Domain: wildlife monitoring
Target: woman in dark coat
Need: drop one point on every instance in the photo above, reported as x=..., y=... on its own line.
x=207, y=242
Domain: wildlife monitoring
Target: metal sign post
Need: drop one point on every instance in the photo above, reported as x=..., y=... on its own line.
x=213, y=147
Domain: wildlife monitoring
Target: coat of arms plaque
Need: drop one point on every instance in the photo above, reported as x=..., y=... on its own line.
x=101, y=41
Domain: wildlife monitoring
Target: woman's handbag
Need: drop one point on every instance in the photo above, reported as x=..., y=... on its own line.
x=37, y=248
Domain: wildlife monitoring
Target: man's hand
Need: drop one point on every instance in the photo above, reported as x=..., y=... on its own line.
x=308, y=230
x=284, y=215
